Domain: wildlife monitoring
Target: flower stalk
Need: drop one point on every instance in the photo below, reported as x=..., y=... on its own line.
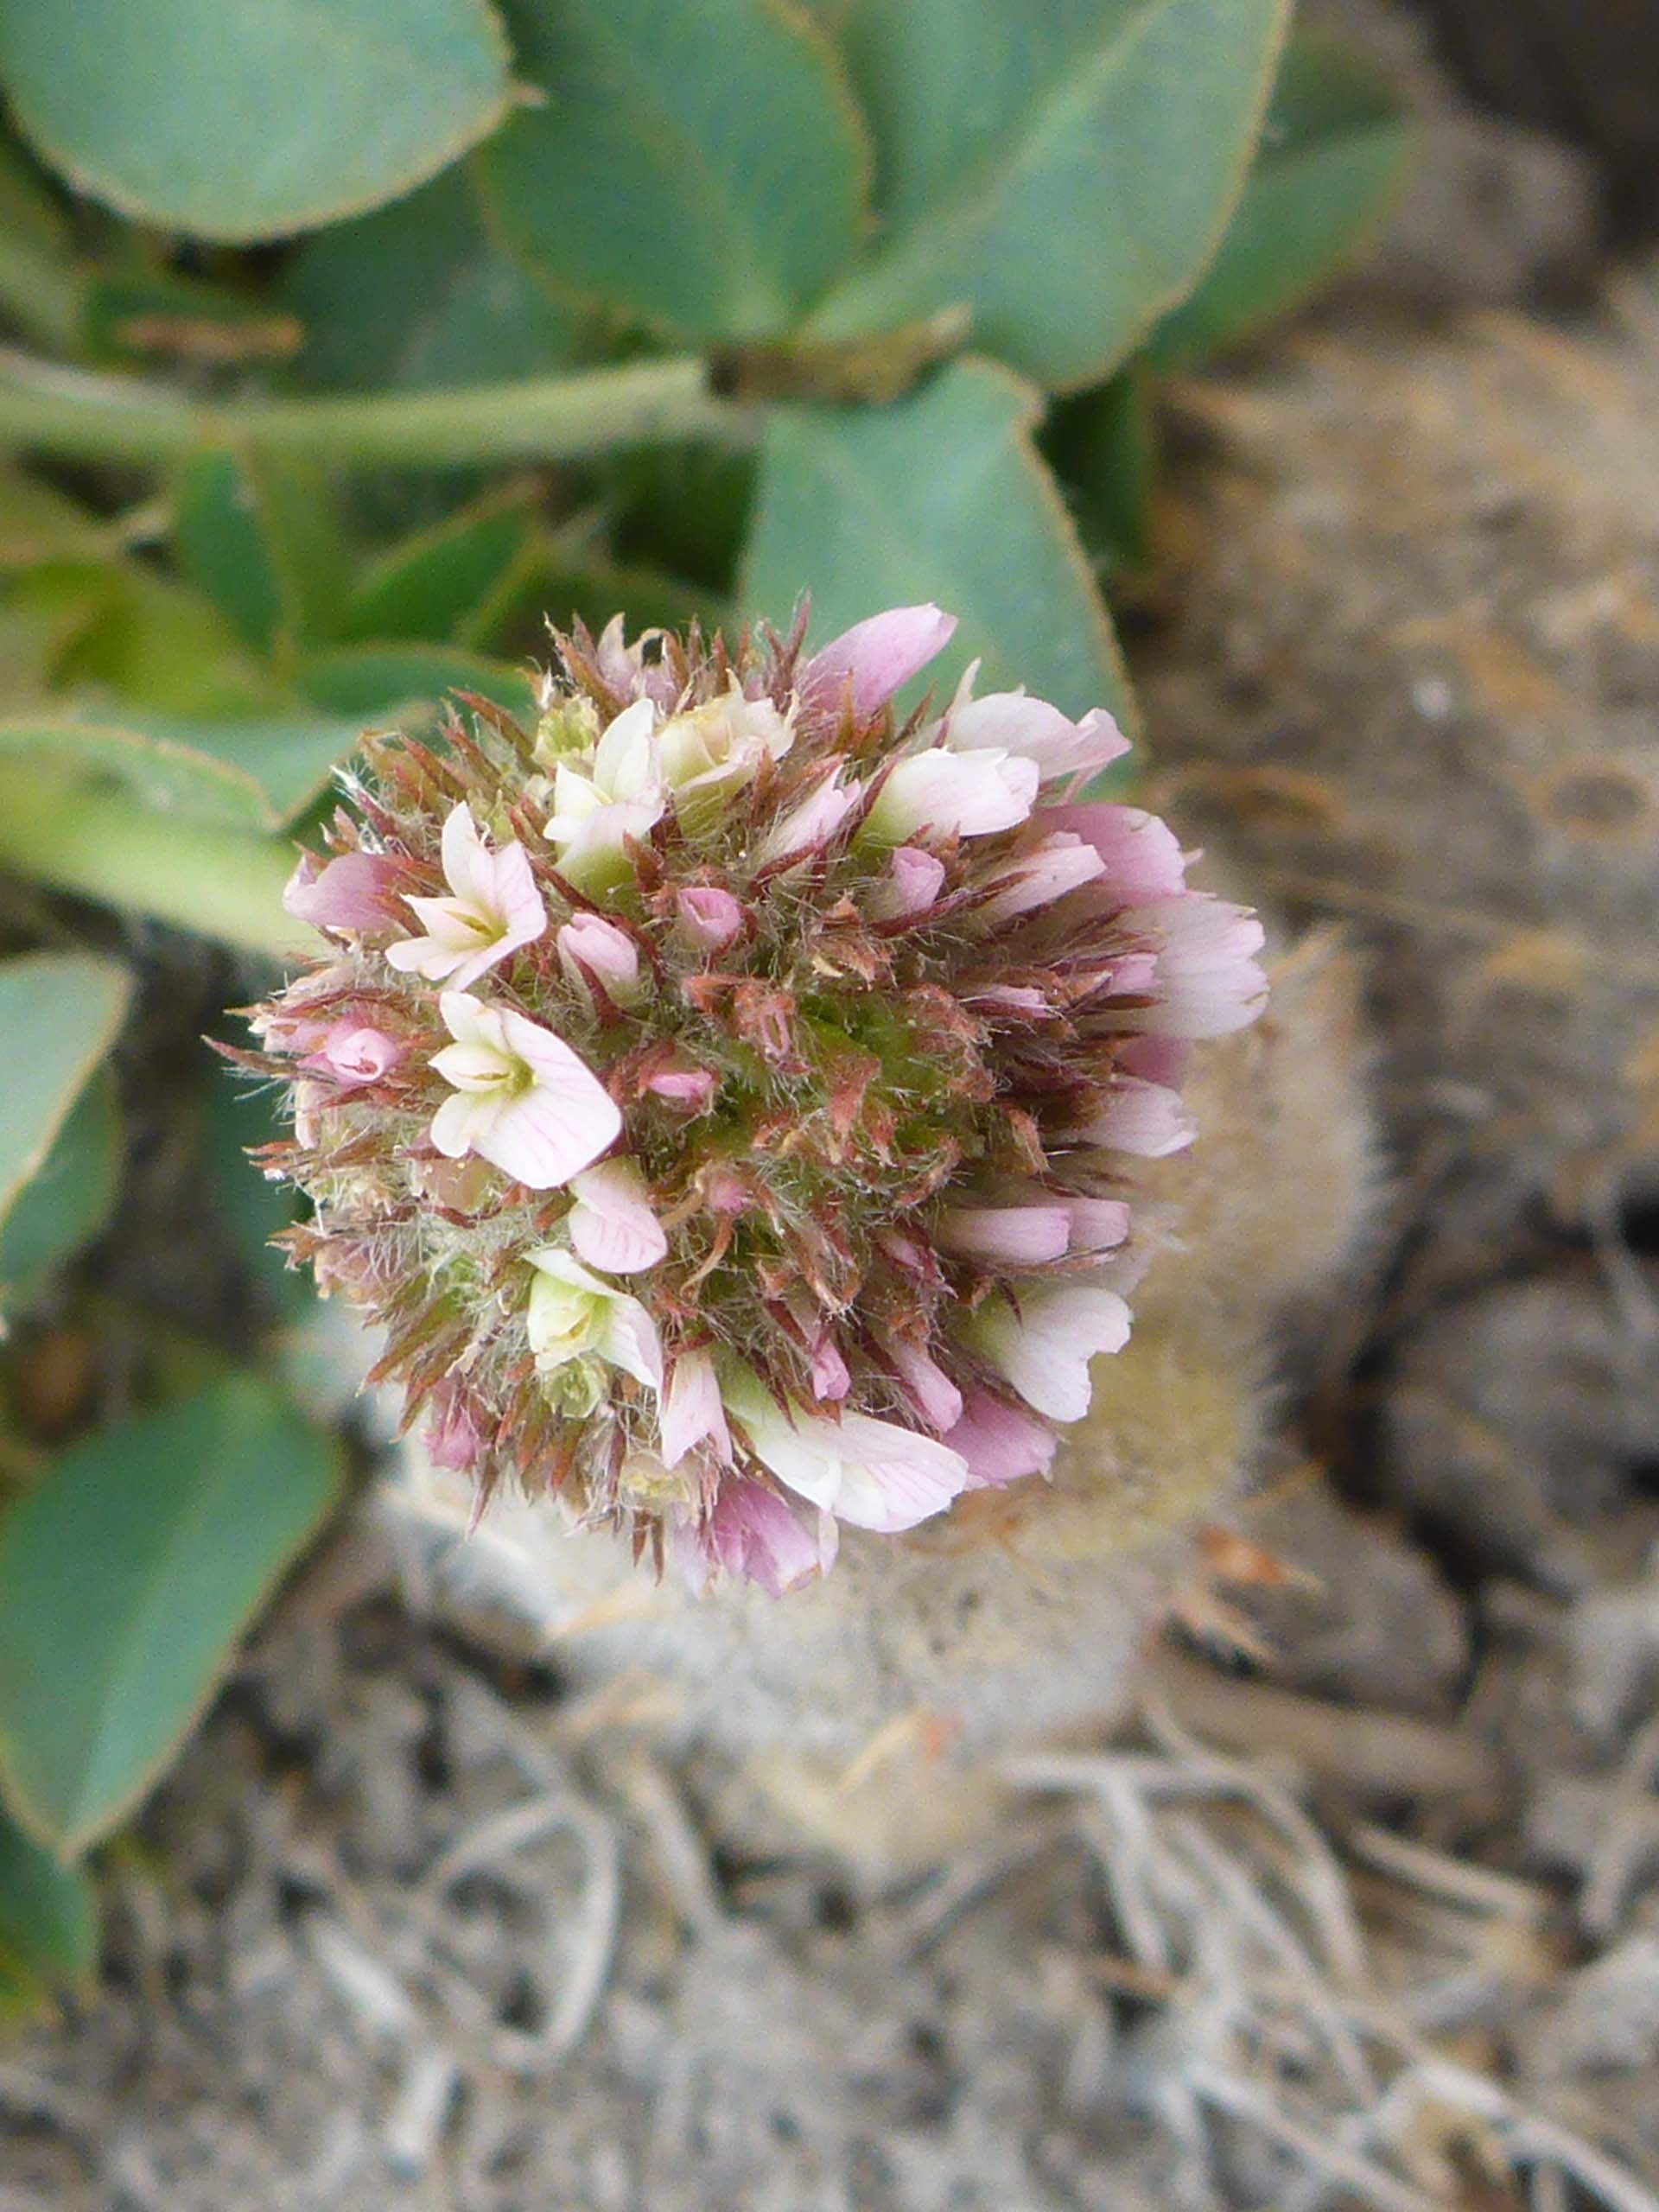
x=79, y=415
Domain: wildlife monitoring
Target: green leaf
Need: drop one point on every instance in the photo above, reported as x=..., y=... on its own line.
x=250, y=772
x=417, y=298
x=70, y=1199
x=385, y=683
x=261, y=538
x=1064, y=168
x=251, y=1211
x=444, y=582
x=1102, y=445
x=683, y=510
x=38, y=522
x=1332, y=148
x=942, y=496
x=125, y=1578
x=153, y=640
x=255, y=122
x=698, y=164
x=41, y=280
x=59, y=1015
x=48, y=1927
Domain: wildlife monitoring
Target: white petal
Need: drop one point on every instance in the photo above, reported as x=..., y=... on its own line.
x=460, y=1121
x=472, y=1065
x=692, y=1409
x=467, y=861
x=541, y=1140
x=424, y=955
x=467, y=1019
x=891, y=1477
x=630, y=1341
x=1044, y=1348
x=612, y=1225
x=622, y=763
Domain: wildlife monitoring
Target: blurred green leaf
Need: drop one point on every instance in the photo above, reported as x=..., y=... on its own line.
x=255, y=122
x=382, y=682
x=251, y=1210
x=48, y=1927
x=125, y=1577
x=250, y=772
x=1064, y=168
x=443, y=583
x=684, y=509
x=260, y=537
x=38, y=522
x=59, y=1015
x=1103, y=446
x=160, y=645
x=419, y=298
x=41, y=284
x=68, y=1201
x=698, y=165
x=45, y=612
x=942, y=496
x=1332, y=148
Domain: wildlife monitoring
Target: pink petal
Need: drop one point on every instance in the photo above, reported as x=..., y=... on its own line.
x=612, y=1225
x=804, y=827
x=692, y=1409
x=1160, y=1060
x=754, y=1536
x=1097, y=1224
x=517, y=906
x=691, y=1087
x=351, y=892
x=1209, y=981
x=1143, y=1118
x=353, y=1054
x=830, y=1378
x=892, y=1478
x=632, y=1342
x=561, y=1124
x=877, y=658
x=453, y=1439
x=1000, y=1443
x=589, y=946
x=915, y=879
x=1061, y=864
x=710, y=918
x=468, y=863
x=1142, y=854
x=936, y=1397
x=1011, y=1235
x=1058, y=746
x=1018, y=999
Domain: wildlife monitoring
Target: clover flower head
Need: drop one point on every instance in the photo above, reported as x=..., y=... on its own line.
x=728, y=1093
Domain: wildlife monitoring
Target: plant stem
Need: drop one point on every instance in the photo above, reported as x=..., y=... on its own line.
x=85, y=837
x=82, y=416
